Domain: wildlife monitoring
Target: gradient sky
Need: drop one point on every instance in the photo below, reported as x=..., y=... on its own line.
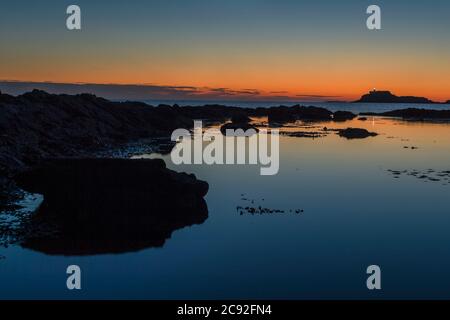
x=235, y=48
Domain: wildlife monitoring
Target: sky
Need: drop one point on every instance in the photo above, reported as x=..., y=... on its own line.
x=233, y=49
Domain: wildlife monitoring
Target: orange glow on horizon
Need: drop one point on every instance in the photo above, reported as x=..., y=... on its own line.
x=337, y=77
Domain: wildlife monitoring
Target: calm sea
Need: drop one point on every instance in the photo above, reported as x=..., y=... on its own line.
x=382, y=200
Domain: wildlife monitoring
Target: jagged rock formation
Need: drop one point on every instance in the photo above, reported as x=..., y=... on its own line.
x=38, y=125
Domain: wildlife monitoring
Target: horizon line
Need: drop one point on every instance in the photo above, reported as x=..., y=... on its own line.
x=171, y=92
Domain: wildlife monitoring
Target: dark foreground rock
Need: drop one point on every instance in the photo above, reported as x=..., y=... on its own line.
x=356, y=133
x=240, y=118
x=239, y=121
x=415, y=114
x=343, y=116
x=111, y=205
x=38, y=125
x=238, y=126
x=292, y=114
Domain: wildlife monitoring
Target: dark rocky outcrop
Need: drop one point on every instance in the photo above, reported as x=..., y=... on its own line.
x=239, y=121
x=415, y=114
x=238, y=126
x=111, y=205
x=343, y=116
x=356, y=133
x=215, y=112
x=38, y=125
x=291, y=114
x=387, y=97
x=240, y=118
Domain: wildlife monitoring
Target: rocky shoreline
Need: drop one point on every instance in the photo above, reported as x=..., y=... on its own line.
x=75, y=151
x=37, y=125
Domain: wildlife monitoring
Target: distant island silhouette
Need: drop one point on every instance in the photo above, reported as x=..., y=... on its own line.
x=385, y=96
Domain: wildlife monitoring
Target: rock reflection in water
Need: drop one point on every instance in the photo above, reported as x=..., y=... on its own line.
x=111, y=206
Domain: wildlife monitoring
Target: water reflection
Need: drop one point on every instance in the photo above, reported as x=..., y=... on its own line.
x=356, y=213
x=111, y=206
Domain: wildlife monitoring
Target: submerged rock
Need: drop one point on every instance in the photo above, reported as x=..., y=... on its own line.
x=112, y=205
x=304, y=134
x=356, y=133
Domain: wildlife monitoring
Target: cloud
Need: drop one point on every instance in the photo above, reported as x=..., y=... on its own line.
x=131, y=91
x=151, y=91
x=278, y=92
x=316, y=96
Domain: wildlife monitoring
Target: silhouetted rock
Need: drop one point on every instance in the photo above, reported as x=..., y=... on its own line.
x=240, y=118
x=356, y=133
x=304, y=134
x=290, y=114
x=238, y=126
x=415, y=114
x=111, y=205
x=38, y=125
x=215, y=112
x=240, y=121
x=343, y=116
x=387, y=97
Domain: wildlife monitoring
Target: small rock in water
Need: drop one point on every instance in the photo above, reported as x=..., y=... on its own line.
x=356, y=133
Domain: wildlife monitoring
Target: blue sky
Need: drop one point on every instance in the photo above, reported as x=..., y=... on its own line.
x=235, y=44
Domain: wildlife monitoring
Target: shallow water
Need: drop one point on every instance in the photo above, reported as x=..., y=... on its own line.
x=356, y=213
